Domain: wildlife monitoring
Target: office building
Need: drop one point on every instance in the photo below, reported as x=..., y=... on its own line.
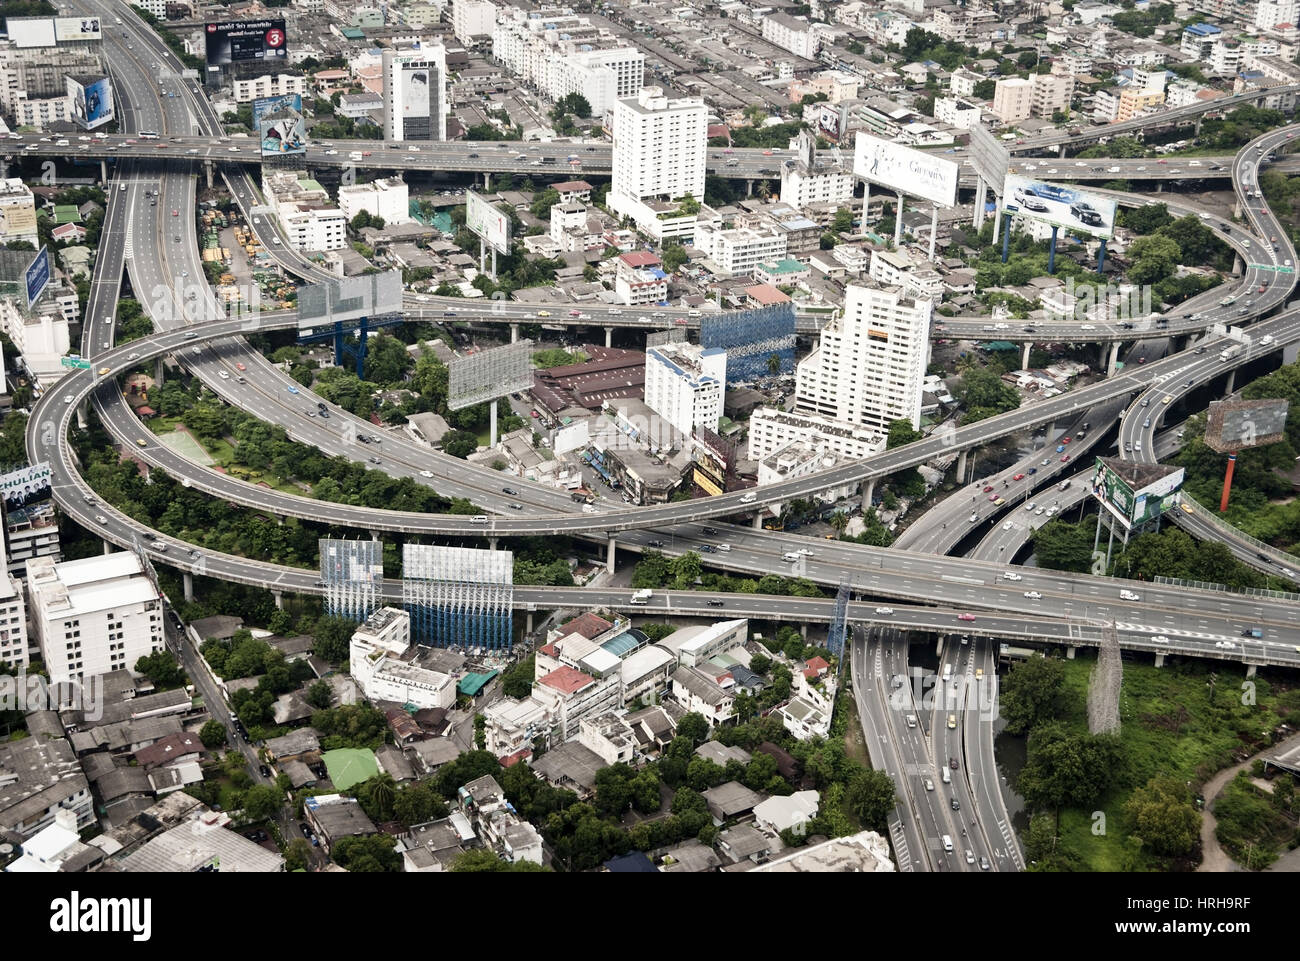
x=1051, y=92
x=1270, y=13
x=473, y=21
x=660, y=147
x=772, y=430
x=268, y=85
x=869, y=363
x=40, y=336
x=684, y=384
x=34, y=65
x=1013, y=99
x=17, y=212
x=1199, y=40
x=378, y=663
x=32, y=531
x=798, y=36
x=94, y=615
x=389, y=199
x=956, y=112
x=13, y=622
x=314, y=228
x=415, y=92
x=639, y=278
x=740, y=249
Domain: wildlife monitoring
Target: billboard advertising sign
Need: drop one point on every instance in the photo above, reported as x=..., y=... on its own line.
x=490, y=224
x=37, y=276
x=1060, y=206
x=989, y=157
x=899, y=168
x=280, y=124
x=350, y=298
x=1133, y=502
x=1234, y=425
x=17, y=221
x=240, y=41
x=26, y=486
x=830, y=120
x=77, y=28
x=489, y=374
x=25, y=32
x=92, y=101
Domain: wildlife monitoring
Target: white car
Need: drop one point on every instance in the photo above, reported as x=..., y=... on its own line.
x=426, y=473
x=1224, y=644
x=884, y=610
x=1033, y=595
x=223, y=375
x=1160, y=639
x=974, y=518
x=805, y=552
x=1013, y=576
x=724, y=547
x=1030, y=506
x=1008, y=525
x=1129, y=596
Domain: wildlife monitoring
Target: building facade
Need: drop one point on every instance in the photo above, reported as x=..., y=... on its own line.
x=684, y=384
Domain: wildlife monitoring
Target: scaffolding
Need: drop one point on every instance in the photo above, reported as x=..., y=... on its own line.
x=840, y=619
x=352, y=573
x=750, y=338
x=459, y=596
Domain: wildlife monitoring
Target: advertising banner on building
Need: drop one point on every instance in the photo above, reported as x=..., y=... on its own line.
x=77, y=28
x=92, y=101
x=26, y=32
x=17, y=221
x=26, y=486
x=37, y=276
x=240, y=41
x=902, y=169
x=280, y=124
x=1133, y=503
x=1060, y=205
x=490, y=224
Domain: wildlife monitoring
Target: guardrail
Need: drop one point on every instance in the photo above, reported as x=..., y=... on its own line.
x=1279, y=557
x=1224, y=589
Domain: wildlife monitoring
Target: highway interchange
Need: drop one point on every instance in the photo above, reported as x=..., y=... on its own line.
x=1071, y=608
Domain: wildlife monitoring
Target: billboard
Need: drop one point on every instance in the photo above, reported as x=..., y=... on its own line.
x=27, y=32
x=1135, y=493
x=350, y=298
x=26, y=486
x=904, y=170
x=92, y=101
x=831, y=120
x=352, y=573
x=713, y=458
x=417, y=100
x=37, y=276
x=489, y=374
x=1060, y=206
x=1234, y=425
x=989, y=157
x=280, y=124
x=490, y=224
x=77, y=28
x=240, y=41
x=17, y=221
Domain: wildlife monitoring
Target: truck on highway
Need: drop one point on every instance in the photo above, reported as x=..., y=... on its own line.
x=355, y=155
x=1230, y=352
x=643, y=596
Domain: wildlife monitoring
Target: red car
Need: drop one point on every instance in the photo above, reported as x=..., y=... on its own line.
x=965, y=617
x=575, y=313
x=1064, y=458
x=989, y=488
x=767, y=153
x=1262, y=288
x=1019, y=477
x=993, y=497
x=532, y=413
x=680, y=320
x=1066, y=440
x=241, y=367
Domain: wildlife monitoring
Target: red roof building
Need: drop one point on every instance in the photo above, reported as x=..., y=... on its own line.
x=566, y=680
x=640, y=259
x=815, y=667
x=587, y=624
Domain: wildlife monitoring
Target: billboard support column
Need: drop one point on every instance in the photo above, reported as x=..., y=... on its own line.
x=934, y=229
x=980, y=189
x=1227, y=482
x=1101, y=257
x=898, y=222
x=492, y=426
x=1006, y=238
x=1231, y=385
x=1051, y=252
x=1112, y=359
x=997, y=218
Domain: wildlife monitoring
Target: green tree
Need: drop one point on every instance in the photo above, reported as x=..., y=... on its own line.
x=1063, y=769
x=1060, y=546
x=674, y=255
x=297, y=855
x=871, y=798
x=367, y=855
x=213, y=735
x=1164, y=816
x=983, y=393
x=261, y=802
x=485, y=860
x=320, y=694
x=1031, y=693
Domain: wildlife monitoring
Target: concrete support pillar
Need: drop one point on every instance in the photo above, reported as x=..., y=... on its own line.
x=1160, y=658
x=981, y=192
x=610, y=547
x=1250, y=669
x=938, y=646
x=1112, y=359
x=758, y=520
x=898, y=222
x=1024, y=356
x=997, y=223
x=279, y=600
x=108, y=548
x=1199, y=118
x=1060, y=150
x=82, y=420
x=492, y=543
x=934, y=230
x=1160, y=186
x=492, y=423
x=1069, y=653
x=1231, y=385
x=487, y=180
x=803, y=630
x=868, y=490
x=158, y=373
x=209, y=172
x=609, y=336
x=103, y=171
x=961, y=467
x=528, y=623
x=749, y=188
x=514, y=333
x=188, y=580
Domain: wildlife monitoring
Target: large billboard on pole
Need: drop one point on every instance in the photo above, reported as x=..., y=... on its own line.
x=1060, y=205
x=280, y=124
x=349, y=298
x=92, y=101
x=489, y=374
x=989, y=157
x=902, y=169
x=1135, y=493
x=490, y=224
x=240, y=41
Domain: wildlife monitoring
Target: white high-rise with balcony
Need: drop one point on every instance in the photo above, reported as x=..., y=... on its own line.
x=869, y=364
x=660, y=147
x=684, y=384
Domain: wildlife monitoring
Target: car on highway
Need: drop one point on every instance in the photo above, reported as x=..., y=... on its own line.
x=884, y=611
x=994, y=497
x=965, y=617
x=141, y=442
x=952, y=722
x=1033, y=595
x=293, y=389
x=725, y=548
x=1018, y=477
x=426, y=473
x=1008, y=525
x=375, y=460
x=1159, y=639
x=988, y=489
x=952, y=763
x=984, y=864
x=974, y=518
x=1013, y=576
x=1045, y=462
x=929, y=784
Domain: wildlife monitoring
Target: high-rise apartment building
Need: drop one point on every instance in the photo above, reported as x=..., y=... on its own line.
x=869, y=364
x=660, y=148
x=684, y=384
x=1013, y=99
x=415, y=92
x=472, y=21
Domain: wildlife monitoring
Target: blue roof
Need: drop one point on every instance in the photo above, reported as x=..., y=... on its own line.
x=1203, y=30
x=625, y=643
x=633, y=863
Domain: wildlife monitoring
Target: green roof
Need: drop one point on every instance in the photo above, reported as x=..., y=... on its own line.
x=471, y=684
x=786, y=266
x=349, y=766
x=66, y=214
x=999, y=345
x=310, y=185
x=354, y=33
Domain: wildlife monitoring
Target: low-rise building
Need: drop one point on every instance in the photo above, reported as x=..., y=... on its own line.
x=699, y=693
x=772, y=430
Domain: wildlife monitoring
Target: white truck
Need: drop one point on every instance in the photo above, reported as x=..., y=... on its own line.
x=1230, y=352
x=643, y=596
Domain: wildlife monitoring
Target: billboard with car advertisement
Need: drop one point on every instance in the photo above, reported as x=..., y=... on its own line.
x=240, y=41
x=37, y=276
x=280, y=124
x=92, y=101
x=1060, y=205
x=902, y=169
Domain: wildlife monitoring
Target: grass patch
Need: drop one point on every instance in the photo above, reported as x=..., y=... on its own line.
x=1170, y=727
x=1249, y=827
